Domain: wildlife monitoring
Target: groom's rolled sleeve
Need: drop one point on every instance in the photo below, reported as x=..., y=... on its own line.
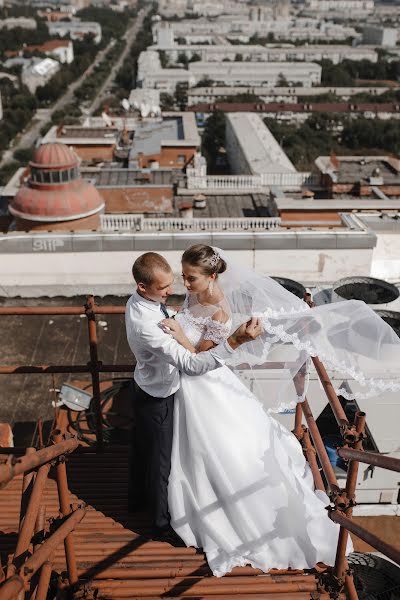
x=166, y=348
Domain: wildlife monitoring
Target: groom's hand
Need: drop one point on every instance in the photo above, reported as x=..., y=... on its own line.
x=246, y=333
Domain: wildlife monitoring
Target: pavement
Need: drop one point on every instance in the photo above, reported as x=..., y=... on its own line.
x=129, y=38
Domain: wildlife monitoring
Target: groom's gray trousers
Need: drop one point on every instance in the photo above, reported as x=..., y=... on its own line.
x=151, y=455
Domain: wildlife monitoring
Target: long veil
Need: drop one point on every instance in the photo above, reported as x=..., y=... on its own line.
x=348, y=337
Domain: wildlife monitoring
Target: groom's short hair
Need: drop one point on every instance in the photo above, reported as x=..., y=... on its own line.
x=144, y=267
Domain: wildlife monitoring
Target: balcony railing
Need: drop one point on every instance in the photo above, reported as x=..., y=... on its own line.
x=244, y=182
x=138, y=223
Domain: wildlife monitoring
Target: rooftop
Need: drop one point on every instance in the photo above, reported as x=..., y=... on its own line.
x=149, y=137
x=138, y=199
x=262, y=151
x=86, y=132
x=376, y=170
x=109, y=177
x=226, y=205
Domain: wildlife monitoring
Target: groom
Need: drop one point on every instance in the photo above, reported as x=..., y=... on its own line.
x=159, y=360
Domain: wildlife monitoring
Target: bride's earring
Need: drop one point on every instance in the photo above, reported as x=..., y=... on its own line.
x=210, y=287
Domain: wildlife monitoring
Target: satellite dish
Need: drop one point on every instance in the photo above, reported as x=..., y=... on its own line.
x=106, y=119
x=125, y=104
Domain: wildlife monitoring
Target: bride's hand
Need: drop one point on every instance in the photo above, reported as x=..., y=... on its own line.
x=247, y=332
x=173, y=328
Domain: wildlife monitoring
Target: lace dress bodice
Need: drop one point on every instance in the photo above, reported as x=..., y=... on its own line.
x=199, y=327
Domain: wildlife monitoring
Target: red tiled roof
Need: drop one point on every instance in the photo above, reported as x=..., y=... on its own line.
x=140, y=199
x=341, y=107
x=65, y=202
x=46, y=47
x=53, y=44
x=54, y=155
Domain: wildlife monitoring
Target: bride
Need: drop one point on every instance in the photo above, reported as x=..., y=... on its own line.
x=239, y=485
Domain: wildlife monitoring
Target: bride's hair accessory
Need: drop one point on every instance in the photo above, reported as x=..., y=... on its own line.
x=214, y=260
x=207, y=258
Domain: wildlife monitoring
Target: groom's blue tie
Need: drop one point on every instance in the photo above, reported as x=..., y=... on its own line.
x=164, y=310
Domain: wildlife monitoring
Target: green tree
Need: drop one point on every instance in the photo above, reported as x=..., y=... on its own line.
x=213, y=141
x=167, y=101
x=282, y=81
x=205, y=82
x=195, y=58
x=183, y=59
x=181, y=95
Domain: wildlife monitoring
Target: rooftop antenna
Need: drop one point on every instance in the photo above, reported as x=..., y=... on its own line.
x=125, y=104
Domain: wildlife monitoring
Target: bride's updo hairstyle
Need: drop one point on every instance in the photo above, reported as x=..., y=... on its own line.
x=204, y=256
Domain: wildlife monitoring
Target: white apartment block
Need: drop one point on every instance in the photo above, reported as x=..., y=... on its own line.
x=62, y=50
x=38, y=71
x=76, y=29
x=380, y=36
x=13, y=22
x=151, y=75
x=257, y=73
x=301, y=28
x=251, y=147
x=218, y=53
x=350, y=6
x=210, y=95
x=170, y=8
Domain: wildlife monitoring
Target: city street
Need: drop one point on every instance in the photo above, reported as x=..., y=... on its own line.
x=129, y=37
x=43, y=115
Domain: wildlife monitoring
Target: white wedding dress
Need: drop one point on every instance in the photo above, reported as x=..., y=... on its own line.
x=239, y=486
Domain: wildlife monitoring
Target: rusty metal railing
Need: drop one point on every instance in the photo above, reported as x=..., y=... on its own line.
x=35, y=467
x=93, y=367
x=332, y=580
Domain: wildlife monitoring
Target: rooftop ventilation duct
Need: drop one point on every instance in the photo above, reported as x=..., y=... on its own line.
x=292, y=286
x=392, y=318
x=370, y=290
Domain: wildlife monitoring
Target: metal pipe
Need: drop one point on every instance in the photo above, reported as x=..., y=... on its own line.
x=337, y=408
x=40, y=526
x=319, y=447
x=350, y=587
x=390, y=551
x=28, y=525
x=371, y=458
x=351, y=482
x=46, y=369
x=298, y=430
x=127, y=589
x=44, y=580
x=34, y=562
x=27, y=484
x=186, y=571
x=58, y=310
x=312, y=460
x=121, y=588
x=65, y=509
x=12, y=587
x=94, y=365
x=16, y=466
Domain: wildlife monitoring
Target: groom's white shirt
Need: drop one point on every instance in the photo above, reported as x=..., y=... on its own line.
x=159, y=357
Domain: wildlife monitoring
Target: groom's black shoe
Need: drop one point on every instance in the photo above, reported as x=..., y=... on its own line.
x=167, y=535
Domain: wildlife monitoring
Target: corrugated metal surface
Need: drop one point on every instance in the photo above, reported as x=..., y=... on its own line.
x=114, y=553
